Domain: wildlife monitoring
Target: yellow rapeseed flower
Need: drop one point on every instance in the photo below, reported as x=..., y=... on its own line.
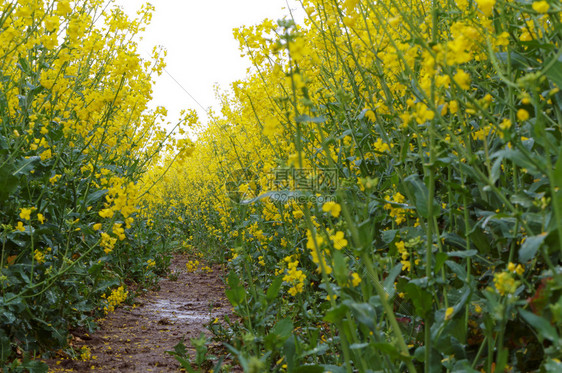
x=522, y=115
x=486, y=6
x=519, y=269
x=462, y=79
x=63, y=8
x=381, y=146
x=25, y=213
x=47, y=154
x=355, y=279
x=505, y=124
x=339, y=240
x=505, y=283
x=449, y=313
x=541, y=6
x=333, y=208
x=39, y=256
x=54, y=179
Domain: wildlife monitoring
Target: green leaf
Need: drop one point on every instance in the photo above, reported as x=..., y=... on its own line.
x=453, y=239
x=522, y=200
x=289, y=350
x=533, y=166
x=464, y=366
x=389, y=280
x=554, y=73
x=543, y=327
x=23, y=66
x=283, y=329
x=358, y=346
x=553, y=366
x=422, y=299
x=501, y=359
x=340, y=268
x=233, y=280
x=462, y=254
x=440, y=259
x=388, y=236
x=95, y=196
x=8, y=183
x=306, y=118
x=309, y=369
x=320, y=349
x=530, y=247
x=457, y=269
x=5, y=346
x=35, y=366
x=279, y=334
x=273, y=289
x=388, y=349
x=236, y=295
x=496, y=170
x=336, y=313
x=185, y=364
x=517, y=61
x=480, y=240
x=365, y=313
x=25, y=166
x=182, y=356
x=557, y=173
x=421, y=195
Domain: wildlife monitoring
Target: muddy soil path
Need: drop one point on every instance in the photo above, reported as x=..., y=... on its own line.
x=134, y=339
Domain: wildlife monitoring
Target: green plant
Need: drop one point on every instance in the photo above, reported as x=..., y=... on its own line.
x=202, y=361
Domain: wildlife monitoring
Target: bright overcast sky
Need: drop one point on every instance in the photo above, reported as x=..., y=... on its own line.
x=201, y=49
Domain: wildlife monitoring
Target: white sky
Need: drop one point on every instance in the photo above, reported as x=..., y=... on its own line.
x=201, y=49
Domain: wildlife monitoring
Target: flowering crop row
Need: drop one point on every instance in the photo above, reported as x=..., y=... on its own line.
x=437, y=244
x=75, y=140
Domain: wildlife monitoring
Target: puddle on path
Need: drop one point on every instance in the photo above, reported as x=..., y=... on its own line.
x=177, y=310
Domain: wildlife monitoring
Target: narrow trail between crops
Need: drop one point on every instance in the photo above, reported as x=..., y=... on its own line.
x=134, y=339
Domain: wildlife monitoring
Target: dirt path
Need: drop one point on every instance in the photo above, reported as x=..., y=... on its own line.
x=134, y=339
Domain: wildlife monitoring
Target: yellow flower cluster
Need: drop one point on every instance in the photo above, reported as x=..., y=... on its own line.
x=381, y=147
x=25, y=213
x=318, y=252
x=505, y=283
x=107, y=242
x=116, y=297
x=192, y=265
x=519, y=269
x=39, y=256
x=206, y=269
x=398, y=213
x=85, y=353
x=294, y=276
x=338, y=240
x=120, y=197
x=333, y=208
x=355, y=279
x=405, y=255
